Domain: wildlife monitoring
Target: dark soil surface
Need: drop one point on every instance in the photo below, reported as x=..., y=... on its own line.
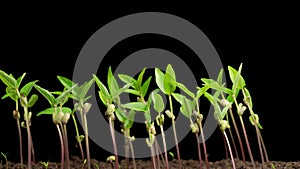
x=76, y=163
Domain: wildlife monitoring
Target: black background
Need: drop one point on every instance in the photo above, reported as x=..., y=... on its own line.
x=44, y=41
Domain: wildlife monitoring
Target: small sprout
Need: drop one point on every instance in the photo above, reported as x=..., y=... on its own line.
x=5, y=158
x=111, y=159
x=96, y=165
x=45, y=164
x=172, y=155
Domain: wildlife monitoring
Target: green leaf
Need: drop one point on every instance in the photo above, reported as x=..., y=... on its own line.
x=159, y=79
x=169, y=81
x=138, y=84
x=8, y=80
x=19, y=80
x=137, y=106
x=129, y=120
x=220, y=77
x=236, y=79
x=145, y=86
x=132, y=91
x=112, y=83
x=84, y=88
x=51, y=110
x=158, y=102
x=187, y=107
x=67, y=83
x=224, y=112
x=127, y=79
x=64, y=95
x=185, y=89
x=120, y=114
x=201, y=90
x=46, y=94
x=178, y=97
x=11, y=93
x=121, y=90
x=215, y=85
x=32, y=100
x=104, y=94
x=25, y=90
x=248, y=97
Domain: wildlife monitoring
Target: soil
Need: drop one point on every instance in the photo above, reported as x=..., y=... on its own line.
x=76, y=163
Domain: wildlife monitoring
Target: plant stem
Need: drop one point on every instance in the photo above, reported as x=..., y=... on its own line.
x=114, y=142
x=230, y=151
x=204, y=146
x=61, y=146
x=29, y=146
x=20, y=135
x=233, y=142
x=175, y=135
x=247, y=142
x=264, y=147
x=259, y=145
x=86, y=135
x=226, y=147
x=20, y=141
x=132, y=153
x=66, y=146
x=165, y=147
x=238, y=134
x=153, y=157
x=32, y=150
x=77, y=137
x=199, y=151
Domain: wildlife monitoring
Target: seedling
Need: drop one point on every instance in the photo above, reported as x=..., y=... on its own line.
x=5, y=158
x=20, y=94
x=60, y=117
x=166, y=83
x=79, y=93
x=45, y=164
x=189, y=108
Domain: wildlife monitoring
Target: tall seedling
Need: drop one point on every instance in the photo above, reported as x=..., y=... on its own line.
x=167, y=84
x=20, y=95
x=79, y=95
x=60, y=117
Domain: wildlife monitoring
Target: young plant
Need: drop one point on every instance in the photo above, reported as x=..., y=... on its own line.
x=60, y=117
x=109, y=98
x=167, y=84
x=21, y=94
x=186, y=107
x=138, y=88
x=45, y=164
x=4, y=156
x=79, y=94
x=238, y=83
x=219, y=115
x=159, y=107
x=220, y=86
